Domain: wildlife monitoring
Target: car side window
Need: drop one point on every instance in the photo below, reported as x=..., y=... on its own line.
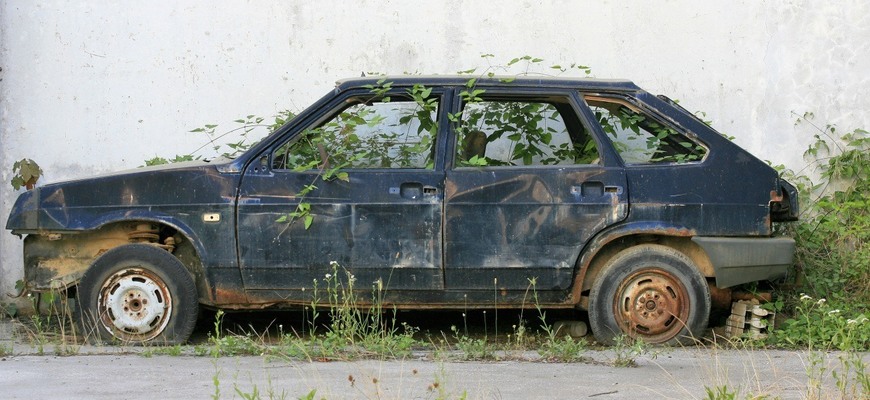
x=388, y=133
x=522, y=133
x=640, y=138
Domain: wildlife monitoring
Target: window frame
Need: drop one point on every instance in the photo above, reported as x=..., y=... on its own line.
x=567, y=99
x=356, y=97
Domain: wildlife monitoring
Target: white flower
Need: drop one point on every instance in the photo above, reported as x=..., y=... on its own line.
x=832, y=312
x=328, y=276
x=820, y=302
x=851, y=322
x=805, y=297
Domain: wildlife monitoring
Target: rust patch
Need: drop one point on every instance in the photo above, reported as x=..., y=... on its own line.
x=55, y=260
x=231, y=296
x=719, y=298
x=591, y=259
x=763, y=297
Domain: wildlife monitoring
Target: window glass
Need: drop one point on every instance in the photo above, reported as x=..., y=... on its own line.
x=383, y=134
x=506, y=133
x=640, y=139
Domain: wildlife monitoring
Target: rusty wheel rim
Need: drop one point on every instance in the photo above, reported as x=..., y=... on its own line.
x=134, y=305
x=652, y=304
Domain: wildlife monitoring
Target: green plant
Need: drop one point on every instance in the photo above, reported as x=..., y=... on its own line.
x=174, y=351
x=254, y=393
x=25, y=173
x=817, y=325
x=216, y=382
x=833, y=257
x=627, y=349
x=853, y=377
x=232, y=344
x=355, y=328
x=720, y=393
x=473, y=349
x=157, y=160
x=555, y=348
x=5, y=349
x=438, y=387
x=51, y=323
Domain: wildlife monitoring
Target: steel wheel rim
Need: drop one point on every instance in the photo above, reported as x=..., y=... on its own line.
x=652, y=304
x=134, y=304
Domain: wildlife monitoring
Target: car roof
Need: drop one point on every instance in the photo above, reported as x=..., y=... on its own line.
x=505, y=81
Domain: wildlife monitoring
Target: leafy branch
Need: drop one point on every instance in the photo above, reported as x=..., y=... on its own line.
x=25, y=173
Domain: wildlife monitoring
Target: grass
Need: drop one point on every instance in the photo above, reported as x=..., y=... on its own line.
x=334, y=328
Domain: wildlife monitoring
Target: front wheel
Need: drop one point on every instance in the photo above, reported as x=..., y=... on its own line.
x=650, y=292
x=137, y=294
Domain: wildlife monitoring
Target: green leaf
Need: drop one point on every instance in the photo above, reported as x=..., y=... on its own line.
x=308, y=220
x=282, y=218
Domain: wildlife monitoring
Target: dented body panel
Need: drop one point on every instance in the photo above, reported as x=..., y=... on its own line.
x=444, y=234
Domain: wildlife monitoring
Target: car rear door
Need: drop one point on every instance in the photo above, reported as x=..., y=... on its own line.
x=528, y=187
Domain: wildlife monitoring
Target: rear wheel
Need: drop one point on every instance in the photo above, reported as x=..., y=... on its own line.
x=649, y=292
x=137, y=294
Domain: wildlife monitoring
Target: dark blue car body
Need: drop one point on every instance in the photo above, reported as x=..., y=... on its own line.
x=445, y=236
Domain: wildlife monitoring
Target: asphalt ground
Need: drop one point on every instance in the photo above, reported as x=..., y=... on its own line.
x=123, y=372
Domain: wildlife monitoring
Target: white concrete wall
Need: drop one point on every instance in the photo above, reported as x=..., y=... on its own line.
x=89, y=87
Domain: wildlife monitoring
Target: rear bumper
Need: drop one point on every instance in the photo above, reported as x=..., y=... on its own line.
x=744, y=260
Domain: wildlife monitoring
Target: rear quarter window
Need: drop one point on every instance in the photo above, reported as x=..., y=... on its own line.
x=639, y=138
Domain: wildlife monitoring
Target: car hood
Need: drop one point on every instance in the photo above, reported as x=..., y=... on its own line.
x=79, y=204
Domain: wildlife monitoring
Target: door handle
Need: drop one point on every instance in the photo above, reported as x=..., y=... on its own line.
x=414, y=190
x=595, y=189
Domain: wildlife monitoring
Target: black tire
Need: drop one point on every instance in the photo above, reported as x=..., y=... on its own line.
x=137, y=294
x=649, y=292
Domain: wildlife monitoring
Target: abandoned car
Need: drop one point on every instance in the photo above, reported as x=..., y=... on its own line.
x=445, y=192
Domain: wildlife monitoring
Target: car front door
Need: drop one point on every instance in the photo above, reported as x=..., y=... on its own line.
x=526, y=191
x=356, y=194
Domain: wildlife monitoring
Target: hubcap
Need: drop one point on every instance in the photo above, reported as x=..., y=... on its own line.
x=651, y=304
x=134, y=305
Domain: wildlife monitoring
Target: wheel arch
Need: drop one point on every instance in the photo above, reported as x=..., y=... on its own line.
x=609, y=243
x=57, y=259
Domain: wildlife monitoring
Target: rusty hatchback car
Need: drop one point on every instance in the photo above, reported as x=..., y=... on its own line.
x=450, y=192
